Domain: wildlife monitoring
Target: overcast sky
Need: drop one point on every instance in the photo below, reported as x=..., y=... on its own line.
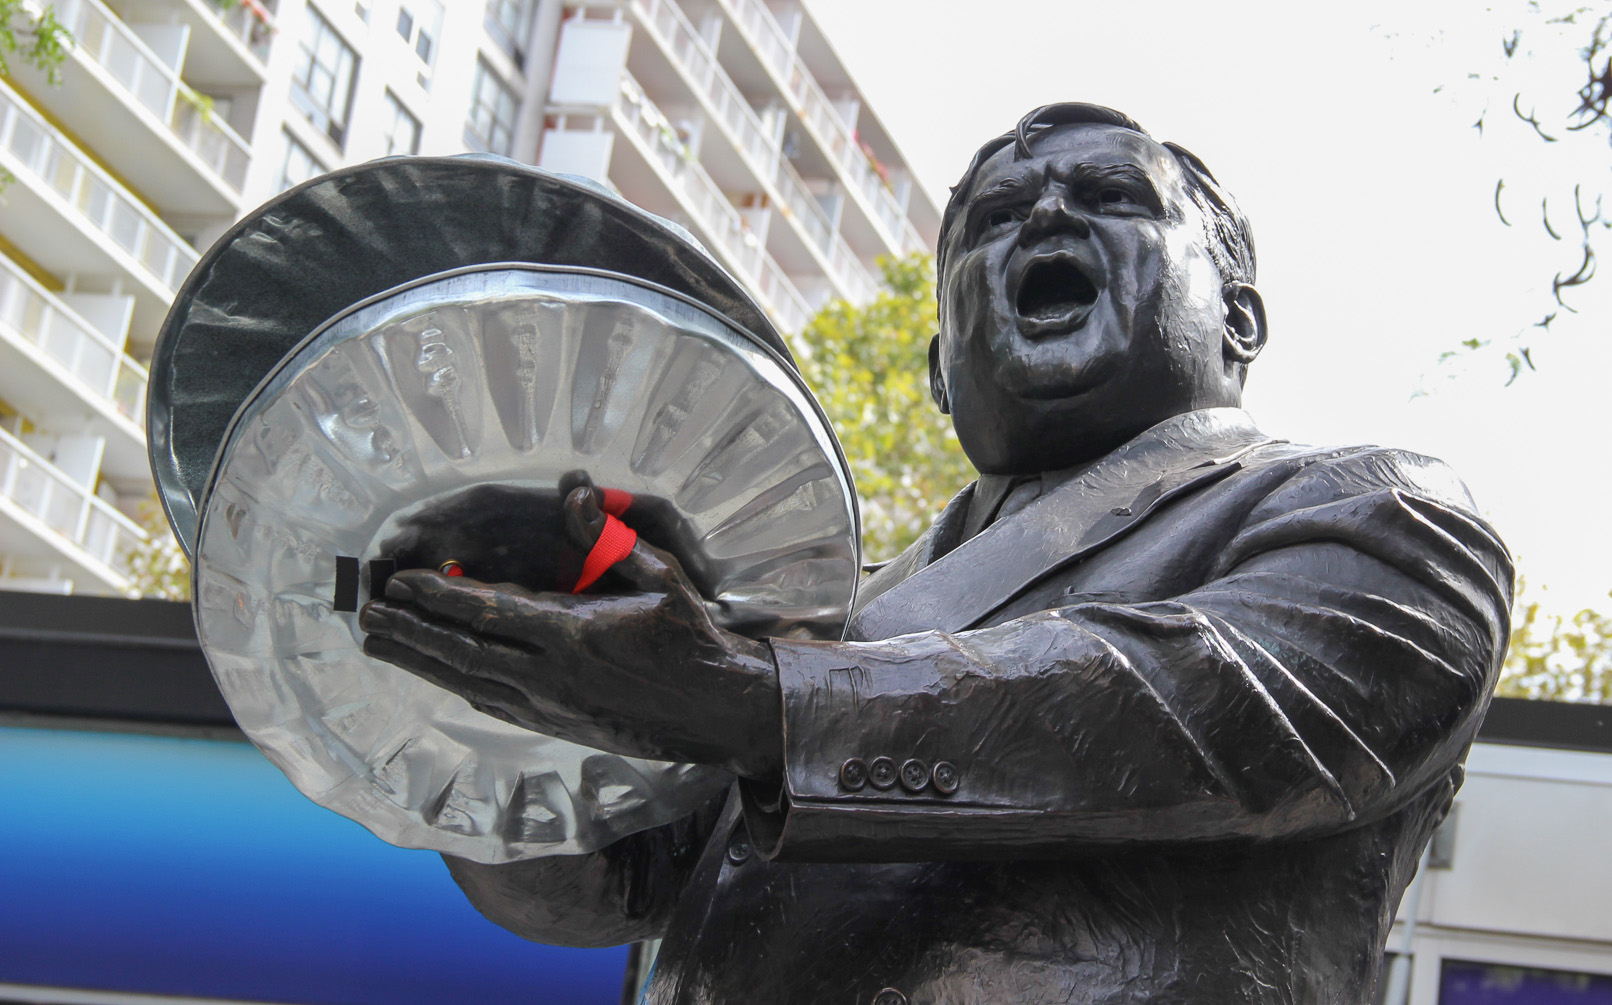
x=1345, y=131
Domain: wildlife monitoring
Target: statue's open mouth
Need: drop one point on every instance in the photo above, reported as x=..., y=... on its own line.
x=1055, y=291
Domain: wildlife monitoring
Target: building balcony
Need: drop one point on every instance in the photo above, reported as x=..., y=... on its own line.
x=666, y=23
x=71, y=217
x=59, y=370
x=833, y=135
x=169, y=146
x=229, y=43
x=701, y=200
x=843, y=265
x=48, y=520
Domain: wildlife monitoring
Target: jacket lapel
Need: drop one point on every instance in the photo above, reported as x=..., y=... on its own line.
x=1113, y=495
x=935, y=540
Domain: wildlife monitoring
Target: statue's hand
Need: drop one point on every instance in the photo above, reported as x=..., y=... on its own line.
x=645, y=673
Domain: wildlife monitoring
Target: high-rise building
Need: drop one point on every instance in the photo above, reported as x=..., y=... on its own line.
x=172, y=117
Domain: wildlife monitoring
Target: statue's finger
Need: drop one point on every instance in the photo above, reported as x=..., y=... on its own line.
x=653, y=570
x=482, y=693
x=465, y=651
x=504, y=610
x=584, y=516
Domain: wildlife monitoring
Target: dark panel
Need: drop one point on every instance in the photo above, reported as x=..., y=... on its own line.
x=105, y=658
x=1565, y=725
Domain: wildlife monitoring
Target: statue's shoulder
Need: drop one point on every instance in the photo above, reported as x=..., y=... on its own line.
x=1324, y=473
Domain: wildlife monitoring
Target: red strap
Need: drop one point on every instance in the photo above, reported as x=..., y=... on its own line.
x=614, y=544
x=615, y=501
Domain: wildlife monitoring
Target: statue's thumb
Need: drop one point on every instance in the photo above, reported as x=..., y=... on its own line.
x=584, y=517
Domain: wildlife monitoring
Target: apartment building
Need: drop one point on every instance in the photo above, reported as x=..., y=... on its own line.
x=173, y=117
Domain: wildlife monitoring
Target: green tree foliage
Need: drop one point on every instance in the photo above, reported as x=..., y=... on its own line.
x=38, y=40
x=869, y=366
x=157, y=566
x=1557, y=658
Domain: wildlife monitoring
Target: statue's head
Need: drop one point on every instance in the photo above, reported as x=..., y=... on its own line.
x=1093, y=282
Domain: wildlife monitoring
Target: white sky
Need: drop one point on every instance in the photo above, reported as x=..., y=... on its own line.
x=1371, y=197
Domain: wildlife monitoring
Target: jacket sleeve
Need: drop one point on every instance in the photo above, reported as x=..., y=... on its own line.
x=623, y=892
x=1334, y=663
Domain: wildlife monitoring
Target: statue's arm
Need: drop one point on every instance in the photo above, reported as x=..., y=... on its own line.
x=622, y=893
x=1335, y=663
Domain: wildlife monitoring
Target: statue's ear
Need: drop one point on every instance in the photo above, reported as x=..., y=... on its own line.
x=1245, y=323
x=937, y=379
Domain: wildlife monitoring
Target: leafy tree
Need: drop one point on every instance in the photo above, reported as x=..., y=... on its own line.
x=1557, y=658
x=869, y=367
x=157, y=566
x=38, y=40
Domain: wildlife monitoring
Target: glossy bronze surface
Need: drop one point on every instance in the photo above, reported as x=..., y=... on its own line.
x=439, y=426
x=1162, y=709
x=312, y=252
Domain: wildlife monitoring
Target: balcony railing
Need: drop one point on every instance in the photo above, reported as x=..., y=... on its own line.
x=645, y=124
x=764, y=35
x=104, y=38
x=29, y=313
x=842, y=261
x=77, y=515
x=249, y=21
x=39, y=151
x=688, y=50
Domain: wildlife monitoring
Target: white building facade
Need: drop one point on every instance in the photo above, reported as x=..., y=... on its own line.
x=173, y=117
x=1514, y=905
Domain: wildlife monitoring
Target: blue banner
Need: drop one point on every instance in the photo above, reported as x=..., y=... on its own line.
x=192, y=867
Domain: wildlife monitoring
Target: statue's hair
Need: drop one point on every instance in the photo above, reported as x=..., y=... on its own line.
x=1231, y=240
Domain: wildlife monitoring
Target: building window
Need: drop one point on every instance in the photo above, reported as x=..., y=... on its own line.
x=491, y=126
x=322, y=86
x=300, y=164
x=418, y=23
x=506, y=23
x=402, y=130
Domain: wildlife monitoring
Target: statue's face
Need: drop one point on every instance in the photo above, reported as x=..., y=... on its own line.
x=1080, y=303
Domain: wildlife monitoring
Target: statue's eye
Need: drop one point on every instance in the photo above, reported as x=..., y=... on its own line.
x=1001, y=218
x=1113, y=196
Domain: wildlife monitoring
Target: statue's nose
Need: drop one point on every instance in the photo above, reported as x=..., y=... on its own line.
x=1053, y=214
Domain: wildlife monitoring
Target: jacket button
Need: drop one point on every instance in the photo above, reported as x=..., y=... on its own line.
x=853, y=774
x=889, y=996
x=914, y=775
x=945, y=777
x=882, y=773
x=739, y=848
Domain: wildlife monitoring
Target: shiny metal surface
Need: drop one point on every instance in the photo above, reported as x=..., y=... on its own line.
x=508, y=377
x=310, y=253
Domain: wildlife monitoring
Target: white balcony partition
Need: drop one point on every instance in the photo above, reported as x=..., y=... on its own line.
x=29, y=313
x=250, y=22
x=685, y=46
x=70, y=512
x=648, y=129
x=150, y=81
x=39, y=150
x=843, y=263
x=836, y=136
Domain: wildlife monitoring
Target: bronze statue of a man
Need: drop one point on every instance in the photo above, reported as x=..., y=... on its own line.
x=1161, y=709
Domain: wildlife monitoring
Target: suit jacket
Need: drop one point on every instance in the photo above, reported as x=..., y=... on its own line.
x=1177, y=731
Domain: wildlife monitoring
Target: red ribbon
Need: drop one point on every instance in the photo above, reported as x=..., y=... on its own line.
x=615, y=501
x=615, y=541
